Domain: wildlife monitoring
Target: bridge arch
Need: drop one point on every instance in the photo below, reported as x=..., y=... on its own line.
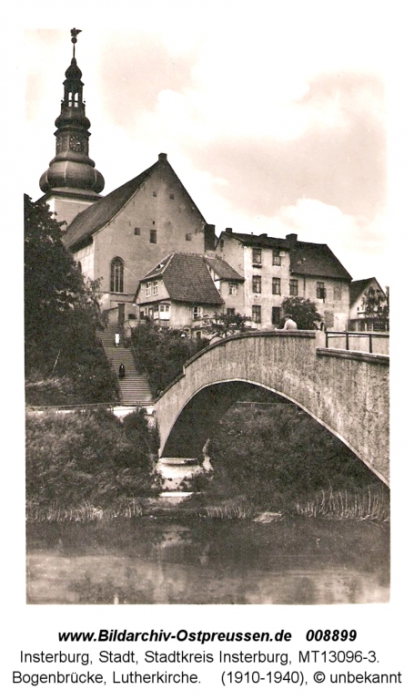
x=346, y=392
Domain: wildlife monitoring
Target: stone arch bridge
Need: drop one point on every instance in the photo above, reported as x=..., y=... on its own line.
x=347, y=392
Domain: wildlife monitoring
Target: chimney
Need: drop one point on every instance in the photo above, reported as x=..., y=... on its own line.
x=228, y=230
x=292, y=238
x=263, y=235
x=162, y=156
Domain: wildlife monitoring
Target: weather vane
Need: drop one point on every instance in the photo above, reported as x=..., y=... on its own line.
x=74, y=33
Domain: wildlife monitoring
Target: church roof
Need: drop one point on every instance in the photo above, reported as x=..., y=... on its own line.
x=186, y=278
x=100, y=213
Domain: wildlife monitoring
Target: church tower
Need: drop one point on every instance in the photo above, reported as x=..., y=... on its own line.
x=71, y=183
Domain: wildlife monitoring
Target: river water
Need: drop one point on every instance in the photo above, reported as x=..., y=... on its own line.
x=174, y=560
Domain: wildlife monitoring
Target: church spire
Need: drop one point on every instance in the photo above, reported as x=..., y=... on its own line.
x=71, y=170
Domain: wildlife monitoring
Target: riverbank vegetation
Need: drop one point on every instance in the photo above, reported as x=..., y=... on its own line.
x=88, y=465
x=273, y=457
x=162, y=352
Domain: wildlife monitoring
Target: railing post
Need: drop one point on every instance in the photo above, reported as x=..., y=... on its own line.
x=326, y=339
x=346, y=341
x=370, y=342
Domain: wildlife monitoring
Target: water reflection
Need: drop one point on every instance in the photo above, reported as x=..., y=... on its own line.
x=159, y=561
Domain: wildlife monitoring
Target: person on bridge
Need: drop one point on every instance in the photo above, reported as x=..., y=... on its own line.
x=290, y=324
x=121, y=371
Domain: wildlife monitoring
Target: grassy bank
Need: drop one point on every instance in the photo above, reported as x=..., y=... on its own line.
x=85, y=466
x=368, y=503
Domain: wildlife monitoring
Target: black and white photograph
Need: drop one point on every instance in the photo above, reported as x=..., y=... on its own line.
x=206, y=324
x=207, y=287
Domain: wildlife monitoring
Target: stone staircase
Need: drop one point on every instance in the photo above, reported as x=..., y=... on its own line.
x=134, y=387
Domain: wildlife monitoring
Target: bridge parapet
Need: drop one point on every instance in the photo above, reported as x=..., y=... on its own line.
x=345, y=391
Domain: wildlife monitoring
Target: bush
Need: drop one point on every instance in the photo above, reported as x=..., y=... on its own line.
x=162, y=353
x=89, y=456
x=278, y=451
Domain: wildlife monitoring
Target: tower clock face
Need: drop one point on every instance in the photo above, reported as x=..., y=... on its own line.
x=77, y=144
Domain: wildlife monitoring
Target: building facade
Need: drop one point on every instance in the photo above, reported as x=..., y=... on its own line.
x=276, y=268
x=184, y=291
x=361, y=319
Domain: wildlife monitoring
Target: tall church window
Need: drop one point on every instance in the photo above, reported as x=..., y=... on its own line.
x=117, y=275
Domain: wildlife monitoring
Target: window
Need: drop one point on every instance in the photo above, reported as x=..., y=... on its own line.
x=188, y=236
x=137, y=231
x=275, y=315
x=277, y=260
x=256, y=314
x=79, y=266
x=293, y=288
x=197, y=313
x=154, y=194
x=337, y=292
x=256, y=284
x=153, y=236
x=164, y=310
x=276, y=285
x=257, y=256
x=171, y=195
x=155, y=287
x=148, y=288
x=117, y=275
x=233, y=288
x=231, y=312
x=320, y=290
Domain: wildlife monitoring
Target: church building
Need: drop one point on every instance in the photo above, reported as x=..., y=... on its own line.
x=129, y=235
x=117, y=238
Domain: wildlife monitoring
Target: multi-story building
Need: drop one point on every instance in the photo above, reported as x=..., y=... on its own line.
x=276, y=268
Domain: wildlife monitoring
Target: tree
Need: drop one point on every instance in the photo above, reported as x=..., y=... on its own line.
x=62, y=311
x=303, y=311
x=224, y=325
x=162, y=353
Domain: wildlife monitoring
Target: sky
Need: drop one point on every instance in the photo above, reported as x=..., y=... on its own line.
x=273, y=115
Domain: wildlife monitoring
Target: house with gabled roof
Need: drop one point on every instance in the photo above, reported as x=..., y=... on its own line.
x=276, y=268
x=184, y=290
x=359, y=318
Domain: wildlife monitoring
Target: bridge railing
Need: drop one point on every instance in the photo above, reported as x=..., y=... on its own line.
x=377, y=343
x=84, y=407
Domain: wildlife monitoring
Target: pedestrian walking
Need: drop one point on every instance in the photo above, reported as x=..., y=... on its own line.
x=121, y=371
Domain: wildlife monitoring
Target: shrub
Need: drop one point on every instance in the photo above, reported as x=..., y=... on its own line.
x=88, y=456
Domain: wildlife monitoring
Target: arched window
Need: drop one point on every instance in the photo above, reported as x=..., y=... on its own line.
x=117, y=275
